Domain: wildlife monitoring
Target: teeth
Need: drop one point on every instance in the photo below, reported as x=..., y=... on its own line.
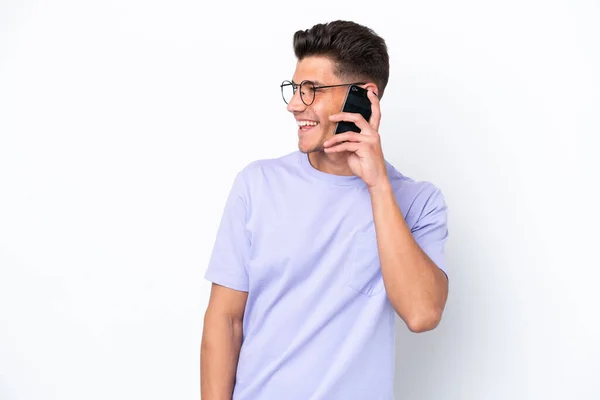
x=307, y=123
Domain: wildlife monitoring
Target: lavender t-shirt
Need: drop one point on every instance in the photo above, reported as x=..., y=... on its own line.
x=301, y=242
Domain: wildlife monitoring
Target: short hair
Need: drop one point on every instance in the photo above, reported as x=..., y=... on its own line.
x=357, y=51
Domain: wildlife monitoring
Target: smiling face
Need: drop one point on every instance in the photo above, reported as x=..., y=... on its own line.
x=314, y=126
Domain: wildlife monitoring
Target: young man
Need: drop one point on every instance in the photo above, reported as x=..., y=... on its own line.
x=319, y=250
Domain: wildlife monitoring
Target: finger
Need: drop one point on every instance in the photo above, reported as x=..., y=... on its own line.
x=375, y=110
x=358, y=120
x=345, y=137
x=347, y=146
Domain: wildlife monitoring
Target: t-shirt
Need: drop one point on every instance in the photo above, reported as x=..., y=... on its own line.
x=317, y=324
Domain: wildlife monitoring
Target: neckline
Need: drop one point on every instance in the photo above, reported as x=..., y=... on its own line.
x=340, y=180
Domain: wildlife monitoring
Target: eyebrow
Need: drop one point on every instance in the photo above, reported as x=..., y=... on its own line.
x=316, y=83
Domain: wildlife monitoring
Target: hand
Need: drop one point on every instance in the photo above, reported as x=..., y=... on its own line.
x=366, y=156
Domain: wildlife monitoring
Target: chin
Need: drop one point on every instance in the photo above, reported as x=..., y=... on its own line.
x=311, y=146
x=307, y=148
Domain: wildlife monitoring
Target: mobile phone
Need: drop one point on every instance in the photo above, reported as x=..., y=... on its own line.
x=356, y=102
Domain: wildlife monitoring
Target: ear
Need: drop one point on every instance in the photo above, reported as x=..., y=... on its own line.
x=372, y=87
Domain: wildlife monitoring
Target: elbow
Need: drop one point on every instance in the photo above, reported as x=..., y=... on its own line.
x=424, y=321
x=218, y=323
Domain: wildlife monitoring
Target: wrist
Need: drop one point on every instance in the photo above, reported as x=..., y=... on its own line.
x=381, y=188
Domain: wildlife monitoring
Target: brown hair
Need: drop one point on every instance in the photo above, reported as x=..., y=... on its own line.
x=357, y=51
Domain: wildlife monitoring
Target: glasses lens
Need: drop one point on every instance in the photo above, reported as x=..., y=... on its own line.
x=287, y=91
x=307, y=91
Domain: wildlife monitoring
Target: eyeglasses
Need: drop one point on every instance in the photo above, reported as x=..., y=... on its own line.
x=307, y=90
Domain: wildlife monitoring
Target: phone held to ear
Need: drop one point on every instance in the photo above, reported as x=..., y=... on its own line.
x=356, y=102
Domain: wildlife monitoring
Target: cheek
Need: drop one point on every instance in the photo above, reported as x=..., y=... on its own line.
x=324, y=111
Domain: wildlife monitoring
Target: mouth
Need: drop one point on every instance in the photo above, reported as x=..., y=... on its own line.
x=306, y=125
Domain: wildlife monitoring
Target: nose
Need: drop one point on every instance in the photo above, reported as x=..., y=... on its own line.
x=296, y=105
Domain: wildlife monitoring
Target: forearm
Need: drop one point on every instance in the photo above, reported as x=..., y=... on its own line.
x=221, y=342
x=416, y=287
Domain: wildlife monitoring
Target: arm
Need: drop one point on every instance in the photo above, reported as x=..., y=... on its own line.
x=416, y=287
x=221, y=342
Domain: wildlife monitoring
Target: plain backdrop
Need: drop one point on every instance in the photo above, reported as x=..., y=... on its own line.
x=123, y=124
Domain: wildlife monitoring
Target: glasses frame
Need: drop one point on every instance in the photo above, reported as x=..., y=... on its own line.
x=295, y=87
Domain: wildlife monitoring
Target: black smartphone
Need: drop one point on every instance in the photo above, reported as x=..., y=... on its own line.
x=356, y=102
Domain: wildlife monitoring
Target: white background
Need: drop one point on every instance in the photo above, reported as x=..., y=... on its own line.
x=123, y=123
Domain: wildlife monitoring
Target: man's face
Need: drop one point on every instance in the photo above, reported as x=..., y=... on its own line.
x=318, y=70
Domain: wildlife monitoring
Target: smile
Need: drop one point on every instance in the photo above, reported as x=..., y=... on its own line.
x=307, y=124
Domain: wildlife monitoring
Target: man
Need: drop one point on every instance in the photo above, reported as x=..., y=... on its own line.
x=318, y=250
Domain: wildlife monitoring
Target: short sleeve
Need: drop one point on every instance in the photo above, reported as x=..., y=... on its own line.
x=431, y=229
x=228, y=261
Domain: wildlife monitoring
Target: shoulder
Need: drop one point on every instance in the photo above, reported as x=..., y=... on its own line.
x=408, y=186
x=258, y=178
x=415, y=197
x=265, y=167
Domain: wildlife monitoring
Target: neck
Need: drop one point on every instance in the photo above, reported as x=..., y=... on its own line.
x=336, y=164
